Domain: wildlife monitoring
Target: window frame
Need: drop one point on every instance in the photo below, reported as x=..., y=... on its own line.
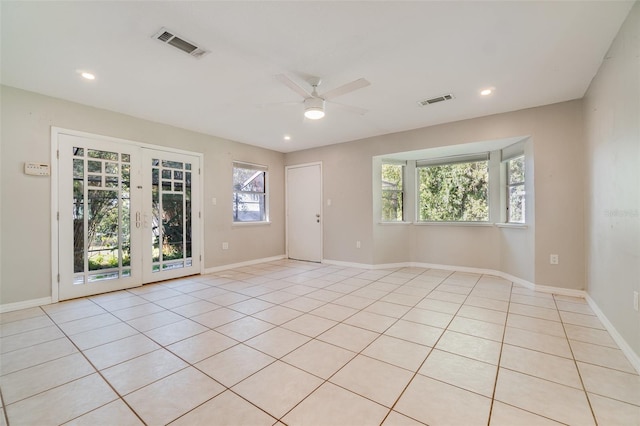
x=452, y=160
x=401, y=191
x=264, y=205
x=509, y=185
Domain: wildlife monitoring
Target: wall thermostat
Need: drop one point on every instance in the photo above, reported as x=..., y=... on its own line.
x=37, y=169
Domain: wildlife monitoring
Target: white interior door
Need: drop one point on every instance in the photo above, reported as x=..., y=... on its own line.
x=128, y=215
x=304, y=212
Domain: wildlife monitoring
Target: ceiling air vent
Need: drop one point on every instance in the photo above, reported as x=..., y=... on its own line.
x=169, y=37
x=435, y=100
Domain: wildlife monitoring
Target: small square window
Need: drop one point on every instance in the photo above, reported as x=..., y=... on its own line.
x=249, y=193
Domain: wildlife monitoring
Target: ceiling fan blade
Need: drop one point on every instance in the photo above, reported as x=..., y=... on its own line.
x=276, y=104
x=346, y=88
x=351, y=108
x=293, y=85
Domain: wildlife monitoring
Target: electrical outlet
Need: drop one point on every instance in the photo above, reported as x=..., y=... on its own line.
x=635, y=300
x=357, y=244
x=554, y=259
x=225, y=246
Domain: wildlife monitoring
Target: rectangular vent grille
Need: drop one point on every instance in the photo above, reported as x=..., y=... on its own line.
x=435, y=100
x=191, y=49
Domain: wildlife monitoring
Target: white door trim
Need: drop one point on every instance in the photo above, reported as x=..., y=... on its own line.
x=55, y=236
x=286, y=205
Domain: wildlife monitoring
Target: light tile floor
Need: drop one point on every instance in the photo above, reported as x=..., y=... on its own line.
x=301, y=343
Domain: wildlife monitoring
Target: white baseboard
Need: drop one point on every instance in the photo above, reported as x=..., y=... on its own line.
x=25, y=304
x=243, y=264
x=360, y=265
x=561, y=291
x=633, y=357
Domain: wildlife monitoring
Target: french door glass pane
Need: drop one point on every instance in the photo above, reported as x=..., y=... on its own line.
x=171, y=215
x=101, y=216
x=173, y=226
x=78, y=214
x=103, y=232
x=188, y=231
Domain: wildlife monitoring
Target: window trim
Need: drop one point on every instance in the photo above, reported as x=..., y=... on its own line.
x=258, y=168
x=454, y=159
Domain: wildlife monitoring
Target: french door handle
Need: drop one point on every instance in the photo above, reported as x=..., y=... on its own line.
x=138, y=221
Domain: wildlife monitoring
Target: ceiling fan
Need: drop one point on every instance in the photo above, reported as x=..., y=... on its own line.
x=314, y=102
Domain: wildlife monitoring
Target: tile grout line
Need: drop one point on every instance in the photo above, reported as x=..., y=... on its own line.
x=575, y=363
x=142, y=333
x=432, y=348
x=271, y=363
x=189, y=364
x=504, y=333
x=4, y=407
x=280, y=326
x=97, y=371
x=538, y=351
x=327, y=380
x=164, y=348
x=226, y=388
x=352, y=358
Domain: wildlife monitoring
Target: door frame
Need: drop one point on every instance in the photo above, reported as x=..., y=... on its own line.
x=55, y=235
x=286, y=205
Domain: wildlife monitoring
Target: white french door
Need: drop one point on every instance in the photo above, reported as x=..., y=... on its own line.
x=170, y=215
x=304, y=211
x=128, y=215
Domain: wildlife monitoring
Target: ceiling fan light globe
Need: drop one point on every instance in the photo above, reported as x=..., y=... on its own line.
x=314, y=108
x=314, y=113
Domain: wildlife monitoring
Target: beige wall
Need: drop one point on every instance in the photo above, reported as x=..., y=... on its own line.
x=555, y=172
x=347, y=181
x=612, y=130
x=25, y=210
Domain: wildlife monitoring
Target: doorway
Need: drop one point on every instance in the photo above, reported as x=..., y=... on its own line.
x=304, y=212
x=128, y=214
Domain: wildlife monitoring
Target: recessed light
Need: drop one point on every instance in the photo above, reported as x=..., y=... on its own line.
x=88, y=76
x=287, y=137
x=486, y=92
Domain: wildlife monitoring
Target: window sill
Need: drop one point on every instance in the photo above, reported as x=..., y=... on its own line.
x=394, y=223
x=512, y=225
x=472, y=224
x=243, y=224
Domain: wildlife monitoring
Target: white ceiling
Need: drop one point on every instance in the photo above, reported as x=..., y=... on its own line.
x=533, y=53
